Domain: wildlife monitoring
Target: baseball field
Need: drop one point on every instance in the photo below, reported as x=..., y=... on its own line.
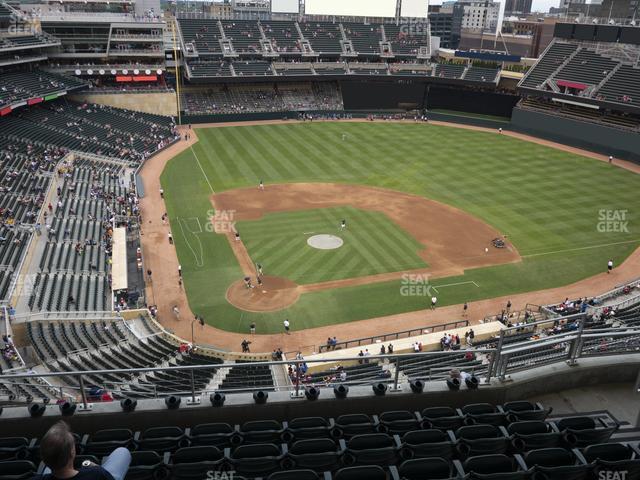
x=420, y=202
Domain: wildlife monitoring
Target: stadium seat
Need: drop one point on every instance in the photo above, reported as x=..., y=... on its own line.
x=583, y=431
x=557, y=464
x=365, y=472
x=193, y=463
x=614, y=457
x=308, y=427
x=442, y=418
x=17, y=470
x=294, y=475
x=347, y=426
x=431, y=468
x=261, y=431
x=533, y=434
x=523, y=410
x=213, y=434
x=321, y=454
x=161, y=439
x=397, y=422
x=494, y=467
x=15, y=448
x=481, y=439
x=146, y=465
x=426, y=443
x=370, y=449
x=255, y=460
x=484, y=413
x=104, y=442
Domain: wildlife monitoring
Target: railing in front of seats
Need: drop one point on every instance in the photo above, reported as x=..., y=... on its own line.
x=494, y=364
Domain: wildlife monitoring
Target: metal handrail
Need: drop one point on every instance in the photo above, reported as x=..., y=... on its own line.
x=499, y=365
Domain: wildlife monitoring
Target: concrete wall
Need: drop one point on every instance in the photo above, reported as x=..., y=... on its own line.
x=157, y=103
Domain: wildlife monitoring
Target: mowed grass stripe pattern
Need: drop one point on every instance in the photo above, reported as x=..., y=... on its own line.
x=544, y=199
x=373, y=244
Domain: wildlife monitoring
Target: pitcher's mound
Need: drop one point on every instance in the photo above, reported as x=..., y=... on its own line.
x=274, y=294
x=325, y=242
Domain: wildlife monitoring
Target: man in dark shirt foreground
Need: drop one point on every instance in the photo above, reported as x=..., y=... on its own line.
x=58, y=452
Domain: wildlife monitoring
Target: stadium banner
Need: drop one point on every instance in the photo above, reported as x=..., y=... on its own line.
x=51, y=97
x=122, y=78
x=33, y=101
x=285, y=6
x=352, y=8
x=5, y=111
x=145, y=78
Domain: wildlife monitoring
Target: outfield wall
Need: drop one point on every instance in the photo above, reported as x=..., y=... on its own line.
x=590, y=136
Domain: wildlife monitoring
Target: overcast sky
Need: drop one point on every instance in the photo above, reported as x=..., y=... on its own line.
x=538, y=5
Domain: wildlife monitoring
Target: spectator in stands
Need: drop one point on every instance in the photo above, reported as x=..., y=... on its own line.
x=58, y=452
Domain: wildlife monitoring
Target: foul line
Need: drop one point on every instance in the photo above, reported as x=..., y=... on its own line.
x=435, y=287
x=202, y=169
x=581, y=248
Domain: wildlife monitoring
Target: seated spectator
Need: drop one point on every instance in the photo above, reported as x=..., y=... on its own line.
x=58, y=452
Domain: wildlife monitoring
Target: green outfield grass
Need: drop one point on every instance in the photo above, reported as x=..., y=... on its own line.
x=549, y=203
x=372, y=244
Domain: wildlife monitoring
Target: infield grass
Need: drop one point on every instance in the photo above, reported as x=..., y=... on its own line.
x=373, y=244
x=549, y=202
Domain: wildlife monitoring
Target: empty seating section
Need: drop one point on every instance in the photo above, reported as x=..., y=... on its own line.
x=292, y=69
x=586, y=67
x=6, y=14
x=246, y=69
x=324, y=37
x=449, y=70
x=66, y=346
x=24, y=41
x=70, y=291
x=368, y=69
x=247, y=378
x=262, y=98
x=283, y=35
x=479, y=74
x=438, y=367
x=322, y=69
x=630, y=317
x=365, y=38
x=554, y=57
x=20, y=86
x=623, y=86
x=203, y=33
x=404, y=43
x=390, y=445
x=209, y=69
x=245, y=35
x=89, y=128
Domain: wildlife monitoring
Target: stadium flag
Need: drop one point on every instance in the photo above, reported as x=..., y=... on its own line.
x=50, y=97
x=5, y=111
x=33, y=101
